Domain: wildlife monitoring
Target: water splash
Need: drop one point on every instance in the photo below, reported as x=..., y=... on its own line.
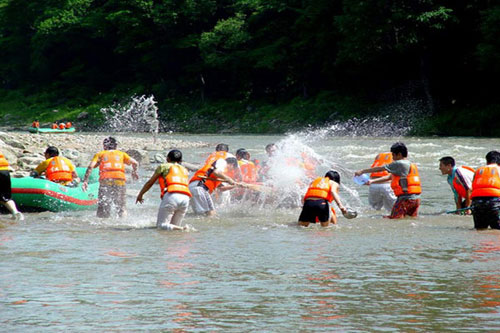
x=138, y=115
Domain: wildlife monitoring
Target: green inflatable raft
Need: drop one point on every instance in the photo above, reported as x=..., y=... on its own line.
x=39, y=194
x=51, y=130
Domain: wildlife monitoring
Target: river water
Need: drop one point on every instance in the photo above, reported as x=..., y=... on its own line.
x=252, y=268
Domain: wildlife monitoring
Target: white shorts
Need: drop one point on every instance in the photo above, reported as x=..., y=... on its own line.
x=381, y=195
x=172, y=209
x=202, y=200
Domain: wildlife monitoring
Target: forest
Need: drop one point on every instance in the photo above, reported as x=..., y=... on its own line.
x=255, y=66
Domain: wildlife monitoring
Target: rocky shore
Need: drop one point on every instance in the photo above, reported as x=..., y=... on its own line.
x=24, y=151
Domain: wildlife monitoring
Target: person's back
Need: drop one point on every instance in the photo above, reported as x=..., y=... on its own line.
x=486, y=193
x=57, y=169
x=62, y=126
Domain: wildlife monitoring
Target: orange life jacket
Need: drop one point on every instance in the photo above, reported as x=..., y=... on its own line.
x=112, y=165
x=62, y=126
x=200, y=175
x=381, y=160
x=320, y=188
x=176, y=181
x=54, y=126
x=4, y=164
x=215, y=156
x=248, y=171
x=413, y=182
x=459, y=187
x=486, y=181
x=69, y=124
x=58, y=170
x=35, y=124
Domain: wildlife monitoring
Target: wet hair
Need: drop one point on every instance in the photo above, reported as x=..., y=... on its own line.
x=447, y=160
x=333, y=175
x=269, y=146
x=493, y=157
x=399, y=147
x=241, y=153
x=110, y=143
x=232, y=161
x=175, y=156
x=52, y=151
x=222, y=147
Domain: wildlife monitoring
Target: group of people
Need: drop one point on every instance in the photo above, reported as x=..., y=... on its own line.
x=55, y=125
x=394, y=183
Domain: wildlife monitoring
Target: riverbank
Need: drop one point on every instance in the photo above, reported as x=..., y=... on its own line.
x=24, y=151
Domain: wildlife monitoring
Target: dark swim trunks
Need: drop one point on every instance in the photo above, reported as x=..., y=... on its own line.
x=5, y=186
x=486, y=212
x=315, y=211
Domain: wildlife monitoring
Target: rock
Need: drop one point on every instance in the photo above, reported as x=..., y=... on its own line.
x=71, y=154
x=30, y=162
x=14, y=143
x=139, y=155
x=82, y=115
x=9, y=153
x=158, y=158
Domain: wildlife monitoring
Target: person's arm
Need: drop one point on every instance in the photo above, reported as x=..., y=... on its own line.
x=336, y=197
x=91, y=166
x=39, y=169
x=134, y=165
x=75, y=177
x=369, y=170
x=220, y=175
x=147, y=186
x=382, y=179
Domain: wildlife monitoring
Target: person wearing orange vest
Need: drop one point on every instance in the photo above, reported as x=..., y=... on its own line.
x=405, y=182
x=321, y=192
x=460, y=180
x=112, y=179
x=69, y=124
x=381, y=194
x=6, y=189
x=486, y=193
x=174, y=192
x=57, y=169
x=209, y=177
x=62, y=126
x=35, y=124
x=247, y=167
x=54, y=125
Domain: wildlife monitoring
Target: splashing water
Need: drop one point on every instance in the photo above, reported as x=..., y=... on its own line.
x=138, y=115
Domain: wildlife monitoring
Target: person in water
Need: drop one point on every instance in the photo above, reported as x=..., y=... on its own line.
x=173, y=180
x=381, y=194
x=321, y=192
x=486, y=193
x=6, y=189
x=56, y=168
x=209, y=177
x=405, y=182
x=112, y=179
x=54, y=125
x=460, y=180
x=35, y=124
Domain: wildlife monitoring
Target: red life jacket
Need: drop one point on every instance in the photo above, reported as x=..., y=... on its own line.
x=381, y=160
x=486, y=181
x=58, y=170
x=459, y=187
x=413, y=182
x=112, y=165
x=320, y=188
x=176, y=181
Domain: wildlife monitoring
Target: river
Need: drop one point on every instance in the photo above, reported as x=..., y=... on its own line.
x=252, y=268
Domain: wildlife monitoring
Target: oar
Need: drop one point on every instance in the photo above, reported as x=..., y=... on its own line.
x=458, y=210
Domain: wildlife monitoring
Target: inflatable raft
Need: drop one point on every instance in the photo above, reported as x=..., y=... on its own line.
x=51, y=130
x=39, y=194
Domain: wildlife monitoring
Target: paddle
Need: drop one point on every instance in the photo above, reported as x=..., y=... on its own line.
x=458, y=210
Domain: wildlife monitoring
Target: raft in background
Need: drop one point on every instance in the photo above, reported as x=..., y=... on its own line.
x=50, y=130
x=39, y=194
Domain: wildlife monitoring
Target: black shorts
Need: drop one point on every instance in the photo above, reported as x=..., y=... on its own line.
x=315, y=211
x=486, y=212
x=5, y=186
